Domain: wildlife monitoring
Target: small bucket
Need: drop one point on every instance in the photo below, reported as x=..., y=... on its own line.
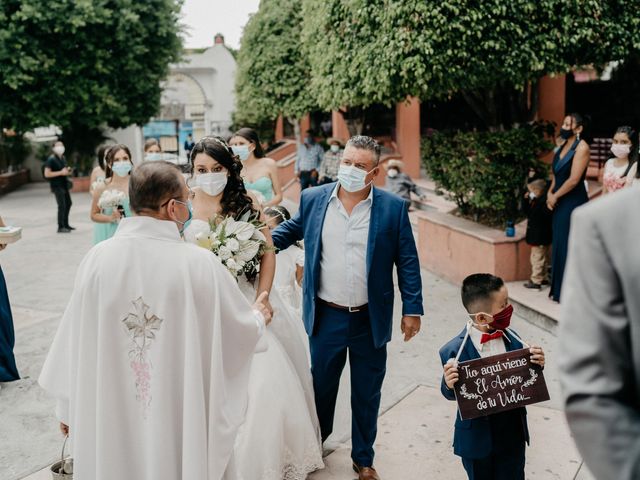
x=63, y=470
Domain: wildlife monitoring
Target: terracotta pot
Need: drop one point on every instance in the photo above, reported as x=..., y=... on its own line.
x=81, y=184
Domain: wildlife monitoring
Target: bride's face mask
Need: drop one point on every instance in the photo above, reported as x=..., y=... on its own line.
x=209, y=175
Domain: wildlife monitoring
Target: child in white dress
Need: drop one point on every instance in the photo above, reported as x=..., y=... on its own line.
x=289, y=262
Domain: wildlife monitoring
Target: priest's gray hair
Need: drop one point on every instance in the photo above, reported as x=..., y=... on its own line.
x=153, y=183
x=363, y=142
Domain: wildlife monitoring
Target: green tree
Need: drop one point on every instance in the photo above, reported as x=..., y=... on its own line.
x=273, y=72
x=84, y=64
x=493, y=52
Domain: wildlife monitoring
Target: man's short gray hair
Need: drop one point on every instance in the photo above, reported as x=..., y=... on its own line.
x=363, y=142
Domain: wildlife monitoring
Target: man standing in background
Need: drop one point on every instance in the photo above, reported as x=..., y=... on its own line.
x=56, y=171
x=308, y=161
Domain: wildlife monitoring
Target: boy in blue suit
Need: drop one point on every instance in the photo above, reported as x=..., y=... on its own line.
x=491, y=447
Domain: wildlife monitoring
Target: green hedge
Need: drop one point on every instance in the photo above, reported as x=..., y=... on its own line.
x=485, y=172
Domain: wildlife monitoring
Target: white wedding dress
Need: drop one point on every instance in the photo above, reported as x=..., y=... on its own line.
x=280, y=437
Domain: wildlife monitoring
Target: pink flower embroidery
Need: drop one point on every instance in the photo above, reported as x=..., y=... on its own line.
x=142, y=328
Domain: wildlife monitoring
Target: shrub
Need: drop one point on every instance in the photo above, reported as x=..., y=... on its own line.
x=485, y=172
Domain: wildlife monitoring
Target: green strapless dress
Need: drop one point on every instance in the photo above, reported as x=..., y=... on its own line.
x=104, y=231
x=263, y=186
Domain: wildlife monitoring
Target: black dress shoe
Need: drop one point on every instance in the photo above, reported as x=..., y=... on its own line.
x=534, y=286
x=70, y=227
x=64, y=230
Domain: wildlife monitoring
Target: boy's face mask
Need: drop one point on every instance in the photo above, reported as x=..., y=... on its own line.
x=501, y=320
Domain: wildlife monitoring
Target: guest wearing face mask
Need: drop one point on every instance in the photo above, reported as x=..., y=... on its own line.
x=111, y=200
x=400, y=183
x=152, y=150
x=308, y=161
x=567, y=192
x=355, y=236
x=260, y=173
x=57, y=172
x=331, y=162
x=617, y=170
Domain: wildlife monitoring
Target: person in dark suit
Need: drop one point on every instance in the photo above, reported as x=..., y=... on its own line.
x=539, y=232
x=491, y=447
x=57, y=172
x=599, y=338
x=354, y=235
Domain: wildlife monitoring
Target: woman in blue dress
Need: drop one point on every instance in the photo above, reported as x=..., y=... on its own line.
x=111, y=200
x=8, y=369
x=260, y=174
x=567, y=192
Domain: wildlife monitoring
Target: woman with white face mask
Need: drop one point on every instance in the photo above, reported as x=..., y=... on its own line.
x=617, y=170
x=260, y=173
x=111, y=199
x=281, y=402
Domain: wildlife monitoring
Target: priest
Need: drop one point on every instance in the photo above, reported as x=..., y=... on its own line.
x=150, y=364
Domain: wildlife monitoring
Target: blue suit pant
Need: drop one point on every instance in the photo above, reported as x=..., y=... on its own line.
x=336, y=334
x=507, y=464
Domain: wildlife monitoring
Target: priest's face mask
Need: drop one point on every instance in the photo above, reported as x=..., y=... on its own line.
x=179, y=210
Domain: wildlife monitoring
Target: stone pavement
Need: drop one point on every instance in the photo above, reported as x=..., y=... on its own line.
x=415, y=428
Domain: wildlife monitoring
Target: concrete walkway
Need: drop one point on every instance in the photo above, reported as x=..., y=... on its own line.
x=415, y=429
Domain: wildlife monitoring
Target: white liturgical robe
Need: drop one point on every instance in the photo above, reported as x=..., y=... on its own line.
x=150, y=364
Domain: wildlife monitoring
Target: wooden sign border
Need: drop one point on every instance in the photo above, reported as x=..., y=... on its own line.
x=534, y=386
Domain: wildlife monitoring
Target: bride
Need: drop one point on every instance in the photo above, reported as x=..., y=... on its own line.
x=280, y=436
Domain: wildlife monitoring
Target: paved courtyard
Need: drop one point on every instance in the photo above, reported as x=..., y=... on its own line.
x=416, y=423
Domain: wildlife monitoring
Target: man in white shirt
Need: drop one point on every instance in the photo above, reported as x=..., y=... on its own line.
x=150, y=364
x=354, y=235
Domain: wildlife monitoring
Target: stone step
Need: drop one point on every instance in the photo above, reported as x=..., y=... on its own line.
x=535, y=306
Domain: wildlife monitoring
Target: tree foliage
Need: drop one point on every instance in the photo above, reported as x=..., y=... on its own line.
x=84, y=64
x=485, y=172
x=381, y=51
x=273, y=73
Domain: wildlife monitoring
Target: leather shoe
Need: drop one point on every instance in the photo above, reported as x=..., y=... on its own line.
x=63, y=230
x=70, y=227
x=534, y=286
x=366, y=473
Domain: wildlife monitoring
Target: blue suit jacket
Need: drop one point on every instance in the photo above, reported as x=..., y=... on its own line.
x=472, y=438
x=390, y=243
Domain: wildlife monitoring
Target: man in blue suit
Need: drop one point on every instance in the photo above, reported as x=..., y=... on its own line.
x=354, y=234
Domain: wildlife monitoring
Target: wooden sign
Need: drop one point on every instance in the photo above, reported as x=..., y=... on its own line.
x=499, y=383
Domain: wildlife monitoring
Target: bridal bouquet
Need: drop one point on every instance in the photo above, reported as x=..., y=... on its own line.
x=238, y=244
x=111, y=199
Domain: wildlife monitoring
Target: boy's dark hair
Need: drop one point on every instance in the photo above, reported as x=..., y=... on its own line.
x=478, y=288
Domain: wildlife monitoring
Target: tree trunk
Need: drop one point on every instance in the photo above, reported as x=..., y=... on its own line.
x=354, y=118
x=296, y=129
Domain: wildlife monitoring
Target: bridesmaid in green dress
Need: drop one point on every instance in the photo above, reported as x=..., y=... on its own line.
x=111, y=200
x=260, y=174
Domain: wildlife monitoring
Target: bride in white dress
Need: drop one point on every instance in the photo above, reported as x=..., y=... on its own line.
x=280, y=437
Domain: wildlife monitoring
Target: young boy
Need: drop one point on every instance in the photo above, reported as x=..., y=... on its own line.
x=491, y=447
x=538, y=232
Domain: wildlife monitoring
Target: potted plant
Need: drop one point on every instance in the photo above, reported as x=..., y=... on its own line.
x=485, y=174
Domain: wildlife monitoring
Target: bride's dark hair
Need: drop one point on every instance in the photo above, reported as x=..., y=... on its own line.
x=235, y=199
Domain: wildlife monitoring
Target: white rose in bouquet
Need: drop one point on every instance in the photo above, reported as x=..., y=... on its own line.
x=232, y=266
x=233, y=244
x=224, y=253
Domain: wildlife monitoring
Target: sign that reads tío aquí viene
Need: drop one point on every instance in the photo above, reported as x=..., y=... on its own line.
x=499, y=383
